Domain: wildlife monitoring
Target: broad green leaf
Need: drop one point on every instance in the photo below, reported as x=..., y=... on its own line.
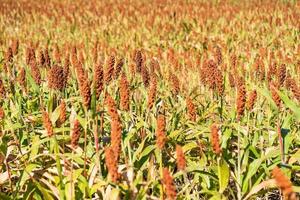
x=223, y=173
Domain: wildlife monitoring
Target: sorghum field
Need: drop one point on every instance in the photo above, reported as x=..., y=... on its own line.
x=139, y=99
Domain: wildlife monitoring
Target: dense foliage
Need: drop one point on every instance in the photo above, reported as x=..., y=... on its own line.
x=159, y=99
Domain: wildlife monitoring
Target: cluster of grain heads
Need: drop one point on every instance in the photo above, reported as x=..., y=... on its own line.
x=118, y=68
x=272, y=71
x=111, y=164
x=22, y=78
x=138, y=58
x=66, y=70
x=212, y=77
x=284, y=184
x=215, y=141
x=47, y=57
x=35, y=72
x=145, y=76
x=160, y=131
x=295, y=89
x=219, y=82
x=251, y=100
x=169, y=184
x=109, y=70
x=152, y=92
x=191, y=109
x=116, y=127
x=180, y=158
x=29, y=55
x=75, y=134
x=281, y=75
x=275, y=96
x=63, y=112
x=116, y=134
x=47, y=124
x=111, y=107
x=259, y=69
x=124, y=93
x=84, y=85
x=231, y=80
x=241, y=101
x=41, y=58
x=56, y=78
x=98, y=79
x=2, y=89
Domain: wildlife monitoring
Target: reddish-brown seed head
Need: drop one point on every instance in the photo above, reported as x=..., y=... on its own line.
x=56, y=78
x=169, y=184
x=22, y=78
x=119, y=67
x=75, y=134
x=180, y=158
x=251, y=100
x=241, y=101
x=47, y=57
x=109, y=70
x=152, y=92
x=295, y=89
x=281, y=75
x=98, y=79
x=112, y=164
x=145, y=76
x=2, y=89
x=218, y=55
x=111, y=107
x=275, y=96
x=138, y=61
x=160, y=131
x=116, y=136
x=35, y=72
x=66, y=70
x=63, y=112
x=124, y=93
x=191, y=109
x=47, y=124
x=215, y=141
x=283, y=183
x=84, y=85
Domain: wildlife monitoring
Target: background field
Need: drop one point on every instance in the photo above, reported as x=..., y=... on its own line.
x=145, y=99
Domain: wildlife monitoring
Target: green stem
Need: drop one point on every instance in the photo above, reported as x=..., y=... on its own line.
x=59, y=169
x=239, y=165
x=161, y=174
x=85, y=143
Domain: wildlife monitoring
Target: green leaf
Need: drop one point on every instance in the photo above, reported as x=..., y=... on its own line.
x=290, y=104
x=25, y=175
x=223, y=171
x=45, y=192
x=253, y=167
